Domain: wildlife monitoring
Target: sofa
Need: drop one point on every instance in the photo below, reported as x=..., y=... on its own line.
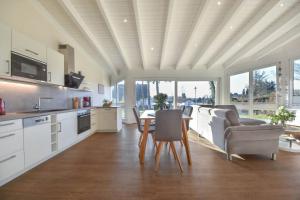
x=224, y=128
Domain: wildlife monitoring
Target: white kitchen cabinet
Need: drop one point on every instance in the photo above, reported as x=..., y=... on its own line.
x=11, y=164
x=55, y=67
x=5, y=50
x=109, y=119
x=28, y=47
x=11, y=141
x=67, y=129
x=93, y=120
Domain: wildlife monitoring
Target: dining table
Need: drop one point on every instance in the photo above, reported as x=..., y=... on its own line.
x=149, y=116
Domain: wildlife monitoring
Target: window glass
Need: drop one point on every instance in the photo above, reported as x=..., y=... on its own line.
x=196, y=92
x=262, y=114
x=121, y=96
x=296, y=83
x=264, y=85
x=239, y=88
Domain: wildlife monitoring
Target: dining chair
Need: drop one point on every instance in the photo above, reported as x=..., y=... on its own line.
x=151, y=129
x=188, y=110
x=168, y=130
x=182, y=107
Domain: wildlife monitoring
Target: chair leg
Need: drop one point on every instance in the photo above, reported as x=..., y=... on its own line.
x=181, y=142
x=274, y=156
x=157, y=156
x=176, y=156
x=140, y=139
x=154, y=141
x=229, y=157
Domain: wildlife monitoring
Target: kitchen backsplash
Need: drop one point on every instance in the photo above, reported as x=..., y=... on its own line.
x=20, y=97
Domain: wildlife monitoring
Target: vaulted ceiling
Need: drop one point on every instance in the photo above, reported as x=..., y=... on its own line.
x=177, y=34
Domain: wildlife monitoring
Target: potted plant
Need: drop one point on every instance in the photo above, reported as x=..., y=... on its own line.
x=107, y=103
x=160, y=101
x=281, y=116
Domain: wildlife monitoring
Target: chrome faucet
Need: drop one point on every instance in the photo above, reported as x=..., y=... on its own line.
x=38, y=105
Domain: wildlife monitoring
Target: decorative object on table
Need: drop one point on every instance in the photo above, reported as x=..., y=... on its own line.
x=2, y=107
x=107, y=103
x=100, y=88
x=160, y=101
x=281, y=116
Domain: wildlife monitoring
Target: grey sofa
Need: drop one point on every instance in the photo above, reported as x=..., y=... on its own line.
x=223, y=128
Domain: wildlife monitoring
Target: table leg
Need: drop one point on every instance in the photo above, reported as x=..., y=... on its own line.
x=144, y=141
x=186, y=142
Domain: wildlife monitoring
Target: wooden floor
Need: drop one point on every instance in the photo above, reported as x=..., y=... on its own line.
x=106, y=166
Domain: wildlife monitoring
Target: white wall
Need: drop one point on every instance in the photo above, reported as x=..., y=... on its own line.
x=22, y=16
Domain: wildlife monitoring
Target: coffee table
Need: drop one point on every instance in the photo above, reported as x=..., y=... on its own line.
x=289, y=141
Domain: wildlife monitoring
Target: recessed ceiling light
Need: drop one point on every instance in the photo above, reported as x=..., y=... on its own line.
x=219, y=3
x=125, y=20
x=281, y=4
x=152, y=48
x=231, y=27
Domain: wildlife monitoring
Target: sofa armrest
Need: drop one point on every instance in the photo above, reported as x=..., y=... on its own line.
x=257, y=132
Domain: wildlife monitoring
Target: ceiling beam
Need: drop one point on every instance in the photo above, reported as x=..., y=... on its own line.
x=239, y=35
x=199, y=18
x=138, y=29
x=69, y=8
x=167, y=31
x=280, y=42
x=288, y=16
x=113, y=32
x=220, y=27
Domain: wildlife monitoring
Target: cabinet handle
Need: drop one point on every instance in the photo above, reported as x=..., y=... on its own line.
x=9, y=135
x=59, y=124
x=8, y=67
x=33, y=52
x=7, y=159
x=11, y=123
x=50, y=76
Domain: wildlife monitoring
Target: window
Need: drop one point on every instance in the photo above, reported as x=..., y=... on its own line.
x=121, y=96
x=196, y=92
x=264, y=85
x=146, y=90
x=296, y=81
x=239, y=88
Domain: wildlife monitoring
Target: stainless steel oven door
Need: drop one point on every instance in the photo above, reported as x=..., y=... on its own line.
x=26, y=67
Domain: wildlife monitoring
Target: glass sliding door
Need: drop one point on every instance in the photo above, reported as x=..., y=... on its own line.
x=196, y=92
x=296, y=75
x=120, y=97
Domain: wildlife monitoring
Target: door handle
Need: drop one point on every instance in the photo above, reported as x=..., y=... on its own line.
x=50, y=76
x=59, y=124
x=33, y=52
x=8, y=67
x=7, y=159
x=6, y=136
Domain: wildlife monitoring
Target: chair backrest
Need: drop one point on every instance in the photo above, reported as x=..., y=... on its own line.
x=188, y=110
x=230, y=107
x=137, y=118
x=168, y=125
x=182, y=107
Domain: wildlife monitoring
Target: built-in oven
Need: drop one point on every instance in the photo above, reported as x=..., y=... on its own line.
x=84, y=120
x=26, y=67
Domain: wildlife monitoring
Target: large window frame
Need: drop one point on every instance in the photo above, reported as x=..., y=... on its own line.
x=294, y=100
x=176, y=80
x=251, y=106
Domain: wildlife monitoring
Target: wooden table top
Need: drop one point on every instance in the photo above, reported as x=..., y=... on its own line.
x=150, y=114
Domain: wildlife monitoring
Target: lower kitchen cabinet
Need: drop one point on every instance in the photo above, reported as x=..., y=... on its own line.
x=11, y=164
x=109, y=119
x=67, y=129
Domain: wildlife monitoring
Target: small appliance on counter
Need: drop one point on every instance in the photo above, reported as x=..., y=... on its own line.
x=75, y=102
x=86, y=101
x=2, y=107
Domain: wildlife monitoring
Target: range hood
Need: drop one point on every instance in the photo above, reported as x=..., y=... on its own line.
x=72, y=79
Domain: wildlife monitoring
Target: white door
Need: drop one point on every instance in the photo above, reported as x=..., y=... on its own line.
x=67, y=132
x=55, y=67
x=37, y=143
x=5, y=49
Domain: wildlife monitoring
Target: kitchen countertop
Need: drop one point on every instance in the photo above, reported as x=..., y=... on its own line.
x=20, y=115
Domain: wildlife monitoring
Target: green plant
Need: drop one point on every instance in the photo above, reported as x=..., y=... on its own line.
x=282, y=115
x=107, y=103
x=160, y=101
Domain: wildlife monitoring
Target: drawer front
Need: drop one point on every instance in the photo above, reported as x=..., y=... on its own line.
x=11, y=164
x=66, y=115
x=12, y=125
x=11, y=142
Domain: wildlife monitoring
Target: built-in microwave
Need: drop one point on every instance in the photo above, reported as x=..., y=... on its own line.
x=26, y=67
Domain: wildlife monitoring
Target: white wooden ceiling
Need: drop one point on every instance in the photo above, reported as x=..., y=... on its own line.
x=177, y=34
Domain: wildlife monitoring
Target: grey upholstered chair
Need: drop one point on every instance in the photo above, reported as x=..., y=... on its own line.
x=141, y=126
x=182, y=107
x=188, y=111
x=168, y=130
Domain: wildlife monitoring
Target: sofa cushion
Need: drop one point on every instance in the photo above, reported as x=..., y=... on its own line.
x=230, y=107
x=248, y=121
x=229, y=115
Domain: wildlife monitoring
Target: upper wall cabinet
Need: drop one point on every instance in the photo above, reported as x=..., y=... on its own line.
x=55, y=67
x=5, y=48
x=28, y=47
